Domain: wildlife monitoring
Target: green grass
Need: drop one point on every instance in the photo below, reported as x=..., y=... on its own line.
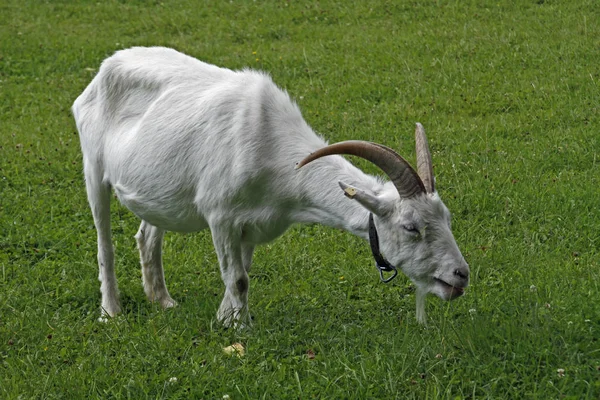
x=509, y=93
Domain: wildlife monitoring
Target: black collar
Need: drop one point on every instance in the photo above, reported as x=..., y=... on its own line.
x=381, y=263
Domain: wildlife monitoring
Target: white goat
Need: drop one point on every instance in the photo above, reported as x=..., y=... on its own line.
x=187, y=146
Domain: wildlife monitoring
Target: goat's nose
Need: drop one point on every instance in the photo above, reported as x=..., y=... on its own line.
x=462, y=272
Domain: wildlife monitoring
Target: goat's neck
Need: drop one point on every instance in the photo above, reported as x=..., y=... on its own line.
x=325, y=202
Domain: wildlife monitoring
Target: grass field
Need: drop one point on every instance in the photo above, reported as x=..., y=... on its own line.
x=509, y=93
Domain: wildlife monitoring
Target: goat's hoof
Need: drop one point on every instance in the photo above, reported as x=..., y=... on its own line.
x=238, y=326
x=105, y=318
x=108, y=313
x=235, y=320
x=168, y=303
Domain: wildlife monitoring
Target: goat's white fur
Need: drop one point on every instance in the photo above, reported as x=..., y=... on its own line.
x=187, y=146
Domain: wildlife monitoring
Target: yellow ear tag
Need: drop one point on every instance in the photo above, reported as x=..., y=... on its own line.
x=350, y=192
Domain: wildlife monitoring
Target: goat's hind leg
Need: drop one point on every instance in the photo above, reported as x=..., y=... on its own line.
x=99, y=193
x=149, y=239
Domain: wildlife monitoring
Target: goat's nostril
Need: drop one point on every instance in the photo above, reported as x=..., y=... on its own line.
x=461, y=273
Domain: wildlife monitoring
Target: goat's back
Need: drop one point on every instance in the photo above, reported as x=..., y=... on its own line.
x=179, y=139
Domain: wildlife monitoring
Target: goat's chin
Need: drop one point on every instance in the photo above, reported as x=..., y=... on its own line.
x=445, y=291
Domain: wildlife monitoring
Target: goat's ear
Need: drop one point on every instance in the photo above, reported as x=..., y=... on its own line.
x=367, y=199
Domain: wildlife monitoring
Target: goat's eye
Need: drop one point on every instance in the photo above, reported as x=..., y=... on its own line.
x=410, y=228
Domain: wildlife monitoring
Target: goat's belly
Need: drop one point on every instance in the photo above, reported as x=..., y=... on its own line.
x=265, y=231
x=166, y=222
x=171, y=214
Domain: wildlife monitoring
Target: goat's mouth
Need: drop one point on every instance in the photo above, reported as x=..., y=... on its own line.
x=450, y=292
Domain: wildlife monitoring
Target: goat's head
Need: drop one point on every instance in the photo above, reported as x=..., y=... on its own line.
x=413, y=222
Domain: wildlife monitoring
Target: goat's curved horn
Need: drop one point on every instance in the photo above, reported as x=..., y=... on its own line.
x=403, y=176
x=424, y=163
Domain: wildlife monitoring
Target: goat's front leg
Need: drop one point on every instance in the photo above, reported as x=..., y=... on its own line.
x=234, y=307
x=149, y=239
x=421, y=296
x=247, y=253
